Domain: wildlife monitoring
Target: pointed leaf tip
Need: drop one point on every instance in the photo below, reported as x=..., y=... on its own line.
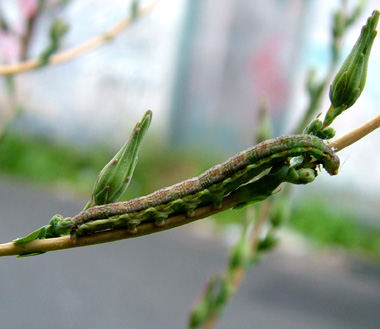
x=114, y=178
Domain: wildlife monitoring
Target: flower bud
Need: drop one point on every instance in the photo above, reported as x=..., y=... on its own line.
x=350, y=80
x=326, y=133
x=301, y=175
x=280, y=210
x=313, y=127
x=240, y=255
x=114, y=178
x=57, y=31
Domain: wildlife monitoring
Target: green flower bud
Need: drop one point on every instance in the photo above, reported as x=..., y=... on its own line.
x=114, y=178
x=57, y=30
x=202, y=310
x=280, y=210
x=268, y=243
x=264, y=128
x=313, y=127
x=326, y=133
x=225, y=290
x=199, y=315
x=57, y=226
x=301, y=175
x=350, y=80
x=240, y=254
x=135, y=9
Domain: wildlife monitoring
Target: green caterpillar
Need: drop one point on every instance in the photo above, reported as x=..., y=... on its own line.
x=210, y=187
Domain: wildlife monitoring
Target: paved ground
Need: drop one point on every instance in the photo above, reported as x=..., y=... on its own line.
x=151, y=282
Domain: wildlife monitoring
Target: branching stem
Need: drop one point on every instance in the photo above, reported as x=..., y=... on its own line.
x=44, y=245
x=78, y=50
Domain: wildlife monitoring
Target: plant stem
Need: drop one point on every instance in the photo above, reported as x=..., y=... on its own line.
x=356, y=134
x=237, y=277
x=78, y=50
x=44, y=245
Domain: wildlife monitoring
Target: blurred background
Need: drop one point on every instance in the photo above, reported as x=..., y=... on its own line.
x=205, y=68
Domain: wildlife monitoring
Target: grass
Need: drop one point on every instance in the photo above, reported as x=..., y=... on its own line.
x=39, y=160
x=334, y=227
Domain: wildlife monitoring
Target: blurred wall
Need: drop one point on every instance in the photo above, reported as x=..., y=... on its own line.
x=234, y=55
x=99, y=96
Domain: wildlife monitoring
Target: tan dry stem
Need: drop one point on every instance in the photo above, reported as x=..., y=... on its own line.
x=356, y=134
x=44, y=245
x=78, y=50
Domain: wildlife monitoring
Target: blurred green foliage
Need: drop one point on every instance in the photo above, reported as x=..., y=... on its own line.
x=40, y=160
x=335, y=227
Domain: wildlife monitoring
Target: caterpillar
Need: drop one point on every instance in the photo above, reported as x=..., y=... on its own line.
x=210, y=187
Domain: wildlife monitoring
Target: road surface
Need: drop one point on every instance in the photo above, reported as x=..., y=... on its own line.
x=151, y=282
